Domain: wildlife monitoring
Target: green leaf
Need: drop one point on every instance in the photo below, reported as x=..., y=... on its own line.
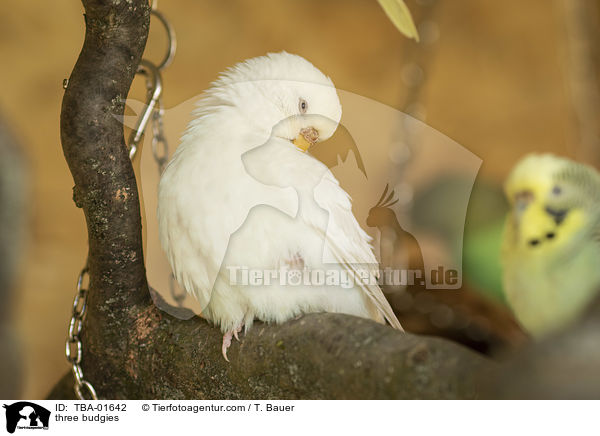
x=398, y=13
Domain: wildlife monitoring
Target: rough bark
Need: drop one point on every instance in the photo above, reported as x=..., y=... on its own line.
x=317, y=356
x=105, y=187
x=133, y=350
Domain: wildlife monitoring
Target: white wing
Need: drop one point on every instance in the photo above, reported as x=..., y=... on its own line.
x=348, y=244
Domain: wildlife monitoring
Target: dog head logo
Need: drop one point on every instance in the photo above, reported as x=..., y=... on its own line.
x=26, y=415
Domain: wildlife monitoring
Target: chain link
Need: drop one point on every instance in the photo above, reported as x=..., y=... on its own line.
x=73, y=347
x=160, y=150
x=160, y=146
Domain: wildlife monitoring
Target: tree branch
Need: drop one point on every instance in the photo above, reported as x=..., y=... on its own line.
x=105, y=187
x=95, y=150
x=317, y=356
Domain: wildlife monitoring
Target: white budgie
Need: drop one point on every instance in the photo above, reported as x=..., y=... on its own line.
x=241, y=194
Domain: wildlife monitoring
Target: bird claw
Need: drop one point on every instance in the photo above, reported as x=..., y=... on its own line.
x=226, y=344
x=236, y=332
x=227, y=340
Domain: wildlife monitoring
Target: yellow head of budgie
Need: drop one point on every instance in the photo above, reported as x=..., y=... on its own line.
x=551, y=252
x=547, y=210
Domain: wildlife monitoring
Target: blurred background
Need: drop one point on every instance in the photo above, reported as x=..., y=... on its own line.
x=500, y=78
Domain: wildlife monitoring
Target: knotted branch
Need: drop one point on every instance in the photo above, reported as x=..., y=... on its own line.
x=105, y=187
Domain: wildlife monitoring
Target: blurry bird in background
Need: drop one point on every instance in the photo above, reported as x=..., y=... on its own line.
x=225, y=200
x=551, y=246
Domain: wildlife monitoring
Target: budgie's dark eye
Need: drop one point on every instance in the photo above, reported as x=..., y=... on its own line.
x=556, y=190
x=302, y=106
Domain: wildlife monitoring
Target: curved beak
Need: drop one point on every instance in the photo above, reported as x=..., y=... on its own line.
x=307, y=138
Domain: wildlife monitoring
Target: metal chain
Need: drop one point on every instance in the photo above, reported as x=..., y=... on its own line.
x=73, y=348
x=160, y=146
x=160, y=150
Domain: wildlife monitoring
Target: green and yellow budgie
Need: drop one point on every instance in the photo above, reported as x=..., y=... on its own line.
x=551, y=246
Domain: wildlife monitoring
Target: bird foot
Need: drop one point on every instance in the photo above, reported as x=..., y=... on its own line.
x=227, y=339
